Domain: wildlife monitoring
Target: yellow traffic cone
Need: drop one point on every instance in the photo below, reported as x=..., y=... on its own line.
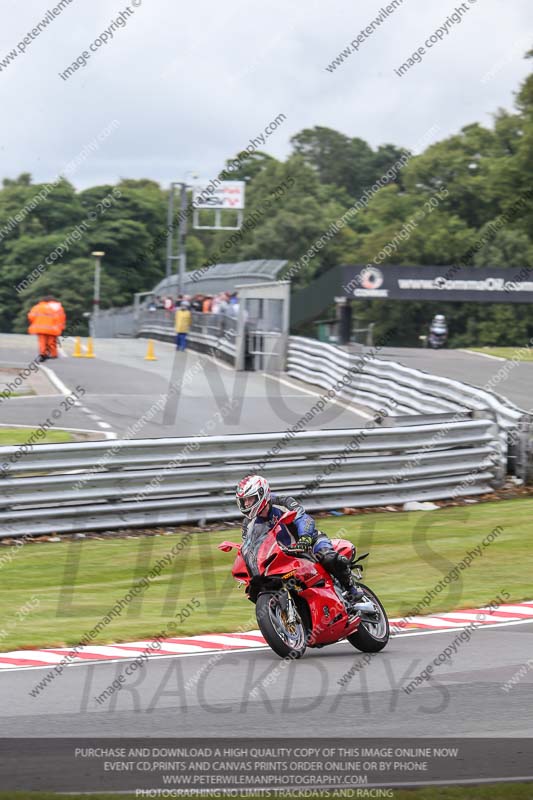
x=150, y=355
x=77, y=348
x=90, y=350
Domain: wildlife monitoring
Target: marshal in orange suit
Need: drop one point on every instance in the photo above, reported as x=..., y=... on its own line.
x=47, y=320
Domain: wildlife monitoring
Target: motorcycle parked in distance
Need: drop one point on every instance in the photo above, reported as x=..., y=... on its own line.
x=298, y=603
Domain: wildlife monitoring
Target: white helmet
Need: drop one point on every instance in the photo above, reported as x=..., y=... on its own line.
x=252, y=495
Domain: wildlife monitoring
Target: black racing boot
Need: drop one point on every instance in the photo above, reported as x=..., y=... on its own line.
x=339, y=566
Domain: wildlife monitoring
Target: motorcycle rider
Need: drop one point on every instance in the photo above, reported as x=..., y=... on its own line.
x=256, y=502
x=439, y=324
x=438, y=332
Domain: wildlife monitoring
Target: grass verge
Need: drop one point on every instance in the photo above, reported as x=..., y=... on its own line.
x=6, y=395
x=519, y=352
x=11, y=436
x=52, y=593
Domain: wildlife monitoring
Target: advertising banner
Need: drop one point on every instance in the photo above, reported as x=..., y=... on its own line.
x=228, y=194
x=478, y=285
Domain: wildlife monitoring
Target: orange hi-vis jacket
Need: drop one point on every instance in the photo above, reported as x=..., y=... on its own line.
x=47, y=317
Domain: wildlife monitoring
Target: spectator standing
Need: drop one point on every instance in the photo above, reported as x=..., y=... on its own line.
x=47, y=320
x=215, y=305
x=224, y=303
x=168, y=305
x=196, y=303
x=183, y=322
x=234, y=304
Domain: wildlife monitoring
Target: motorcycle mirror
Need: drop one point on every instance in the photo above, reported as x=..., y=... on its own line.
x=227, y=546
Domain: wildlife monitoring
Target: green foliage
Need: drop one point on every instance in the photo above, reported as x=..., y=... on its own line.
x=290, y=206
x=248, y=166
x=339, y=160
x=72, y=283
x=507, y=248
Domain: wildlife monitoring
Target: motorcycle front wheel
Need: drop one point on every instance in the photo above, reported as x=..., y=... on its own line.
x=287, y=639
x=373, y=632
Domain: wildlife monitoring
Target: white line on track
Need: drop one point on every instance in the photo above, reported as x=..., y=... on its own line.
x=57, y=382
x=30, y=397
x=65, y=391
x=484, y=627
x=357, y=411
x=485, y=355
x=260, y=649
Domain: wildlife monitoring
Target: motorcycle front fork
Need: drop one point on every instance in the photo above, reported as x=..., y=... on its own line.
x=288, y=606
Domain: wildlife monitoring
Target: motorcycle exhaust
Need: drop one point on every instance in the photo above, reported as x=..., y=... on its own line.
x=366, y=607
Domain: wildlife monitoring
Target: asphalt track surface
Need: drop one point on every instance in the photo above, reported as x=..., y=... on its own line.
x=299, y=698
x=473, y=368
x=120, y=386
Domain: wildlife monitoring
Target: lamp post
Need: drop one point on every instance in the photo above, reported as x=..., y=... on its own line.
x=97, y=255
x=182, y=236
x=181, y=256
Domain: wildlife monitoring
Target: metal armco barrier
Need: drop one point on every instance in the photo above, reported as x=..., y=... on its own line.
x=377, y=383
x=146, y=482
x=523, y=448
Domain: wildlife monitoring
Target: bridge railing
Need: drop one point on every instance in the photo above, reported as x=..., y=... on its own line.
x=213, y=333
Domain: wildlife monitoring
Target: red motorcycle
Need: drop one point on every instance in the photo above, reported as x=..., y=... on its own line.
x=298, y=603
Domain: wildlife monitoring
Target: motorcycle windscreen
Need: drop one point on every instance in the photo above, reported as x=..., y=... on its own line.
x=252, y=545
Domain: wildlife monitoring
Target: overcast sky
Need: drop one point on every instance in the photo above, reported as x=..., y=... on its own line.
x=191, y=83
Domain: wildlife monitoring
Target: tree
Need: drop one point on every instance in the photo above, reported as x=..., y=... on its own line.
x=249, y=167
x=72, y=283
x=458, y=163
x=343, y=161
x=506, y=248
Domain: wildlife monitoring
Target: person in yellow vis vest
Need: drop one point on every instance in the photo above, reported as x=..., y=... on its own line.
x=182, y=325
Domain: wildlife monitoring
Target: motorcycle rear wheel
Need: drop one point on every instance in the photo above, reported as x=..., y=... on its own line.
x=285, y=641
x=371, y=637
